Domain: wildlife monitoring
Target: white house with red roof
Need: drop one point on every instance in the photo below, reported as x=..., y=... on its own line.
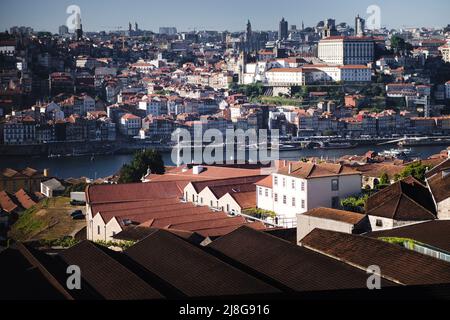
x=130, y=125
x=300, y=187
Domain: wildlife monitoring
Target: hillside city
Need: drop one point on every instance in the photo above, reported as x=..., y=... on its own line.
x=371, y=221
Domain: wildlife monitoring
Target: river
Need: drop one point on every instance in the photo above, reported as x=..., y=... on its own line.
x=103, y=166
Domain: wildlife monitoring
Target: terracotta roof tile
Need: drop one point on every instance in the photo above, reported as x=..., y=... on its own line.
x=396, y=263
x=336, y=215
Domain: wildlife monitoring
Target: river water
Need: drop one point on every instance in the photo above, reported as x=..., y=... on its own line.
x=103, y=166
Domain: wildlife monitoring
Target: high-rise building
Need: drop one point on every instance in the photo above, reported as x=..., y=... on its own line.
x=329, y=29
x=78, y=28
x=283, y=30
x=63, y=30
x=360, y=25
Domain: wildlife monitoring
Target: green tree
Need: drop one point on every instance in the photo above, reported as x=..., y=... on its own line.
x=355, y=203
x=416, y=170
x=384, y=179
x=142, y=161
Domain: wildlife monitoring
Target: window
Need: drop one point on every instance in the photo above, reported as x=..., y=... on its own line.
x=267, y=193
x=260, y=191
x=275, y=180
x=335, y=185
x=293, y=202
x=276, y=197
x=303, y=204
x=293, y=184
x=201, y=200
x=379, y=223
x=335, y=202
x=228, y=208
x=211, y=204
x=303, y=186
x=98, y=229
x=284, y=199
x=284, y=182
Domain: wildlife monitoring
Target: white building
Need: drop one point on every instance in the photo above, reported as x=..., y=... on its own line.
x=445, y=51
x=285, y=77
x=355, y=73
x=8, y=47
x=130, y=125
x=300, y=187
x=51, y=188
x=154, y=106
x=332, y=220
x=341, y=50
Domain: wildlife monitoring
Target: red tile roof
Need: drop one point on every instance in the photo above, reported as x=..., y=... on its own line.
x=97, y=194
x=7, y=203
x=312, y=170
x=396, y=263
x=24, y=199
x=406, y=200
x=336, y=215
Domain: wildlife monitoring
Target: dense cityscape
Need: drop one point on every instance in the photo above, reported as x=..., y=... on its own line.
x=354, y=198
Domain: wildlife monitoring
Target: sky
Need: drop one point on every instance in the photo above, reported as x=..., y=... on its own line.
x=231, y=15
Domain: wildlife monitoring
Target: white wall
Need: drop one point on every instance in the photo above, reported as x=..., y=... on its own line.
x=317, y=192
x=229, y=205
x=207, y=198
x=306, y=224
x=443, y=209
x=265, y=199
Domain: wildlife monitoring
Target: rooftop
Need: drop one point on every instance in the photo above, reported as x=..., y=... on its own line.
x=396, y=263
x=405, y=200
x=336, y=215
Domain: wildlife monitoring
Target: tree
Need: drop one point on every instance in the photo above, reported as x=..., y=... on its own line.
x=384, y=179
x=142, y=161
x=416, y=170
x=399, y=44
x=355, y=203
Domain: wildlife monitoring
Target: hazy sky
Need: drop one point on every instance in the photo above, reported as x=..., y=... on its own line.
x=230, y=15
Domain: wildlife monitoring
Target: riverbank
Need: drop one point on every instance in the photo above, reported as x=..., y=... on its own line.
x=107, y=165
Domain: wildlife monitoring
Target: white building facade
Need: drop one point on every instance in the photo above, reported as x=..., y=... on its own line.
x=347, y=50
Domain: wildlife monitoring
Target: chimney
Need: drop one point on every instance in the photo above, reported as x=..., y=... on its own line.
x=285, y=163
x=290, y=168
x=46, y=173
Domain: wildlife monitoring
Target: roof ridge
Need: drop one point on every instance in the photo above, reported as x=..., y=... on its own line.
x=420, y=205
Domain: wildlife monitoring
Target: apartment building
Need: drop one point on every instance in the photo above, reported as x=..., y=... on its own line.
x=300, y=187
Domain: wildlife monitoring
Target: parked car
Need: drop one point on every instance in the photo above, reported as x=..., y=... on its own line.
x=78, y=217
x=76, y=213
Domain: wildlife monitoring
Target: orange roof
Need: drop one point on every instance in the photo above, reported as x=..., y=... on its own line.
x=6, y=202
x=246, y=200
x=24, y=199
x=266, y=182
x=98, y=194
x=311, y=170
x=337, y=215
x=129, y=116
x=294, y=70
x=208, y=173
